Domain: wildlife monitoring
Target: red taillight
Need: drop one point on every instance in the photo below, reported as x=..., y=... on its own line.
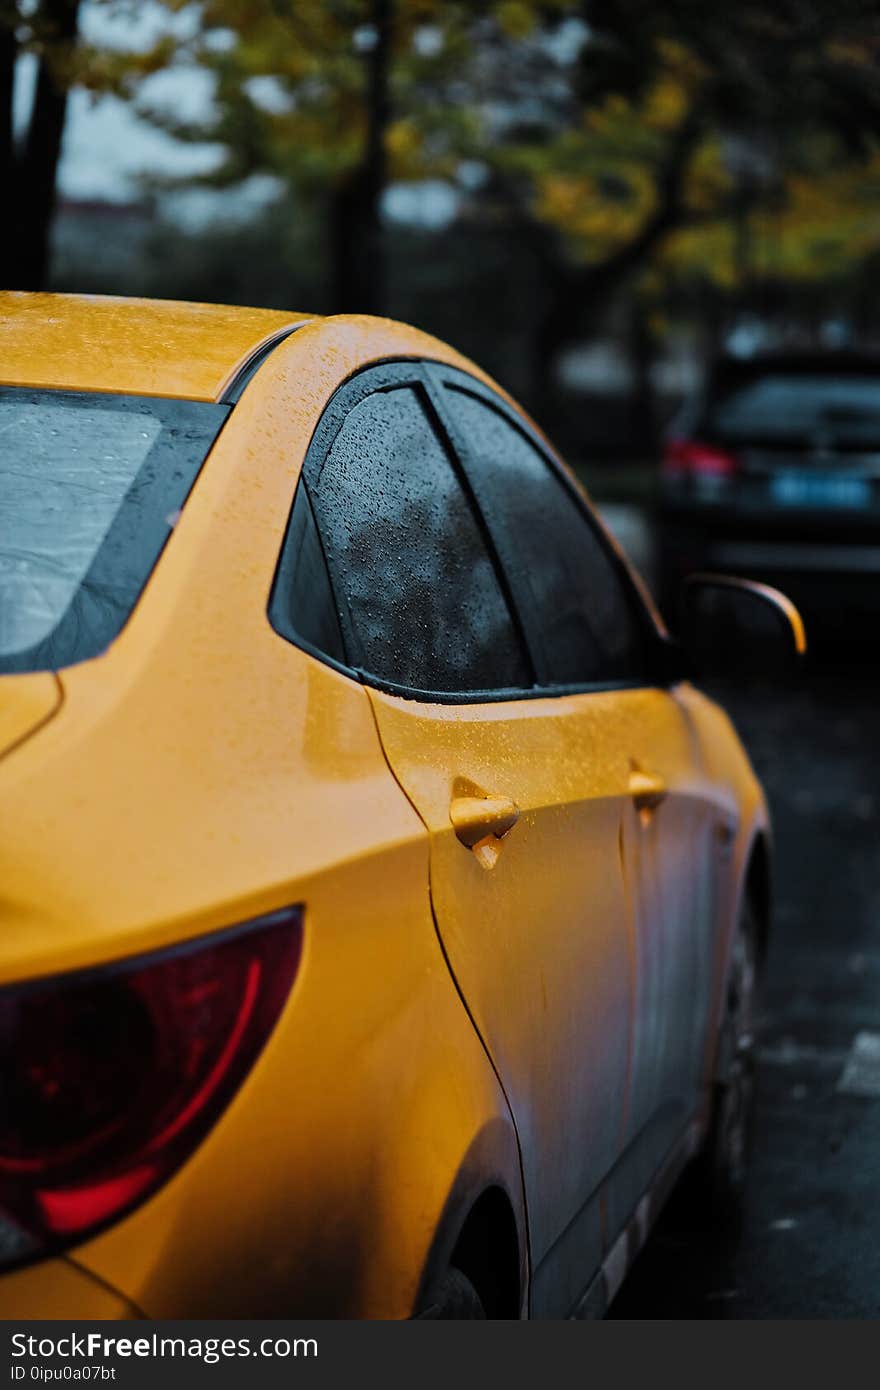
x=110, y=1078
x=688, y=458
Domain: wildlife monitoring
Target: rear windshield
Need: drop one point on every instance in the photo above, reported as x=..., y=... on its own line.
x=90, y=488
x=826, y=409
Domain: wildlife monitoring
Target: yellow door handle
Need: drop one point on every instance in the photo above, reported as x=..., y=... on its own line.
x=476, y=817
x=647, y=789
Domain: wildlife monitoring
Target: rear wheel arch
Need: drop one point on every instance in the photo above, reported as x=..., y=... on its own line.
x=487, y=1251
x=482, y=1227
x=485, y=1247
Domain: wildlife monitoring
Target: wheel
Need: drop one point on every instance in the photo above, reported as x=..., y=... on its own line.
x=719, y=1175
x=452, y=1296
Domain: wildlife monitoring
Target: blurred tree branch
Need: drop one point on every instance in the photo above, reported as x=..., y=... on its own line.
x=618, y=139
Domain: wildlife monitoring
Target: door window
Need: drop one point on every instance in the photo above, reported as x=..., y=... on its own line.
x=587, y=622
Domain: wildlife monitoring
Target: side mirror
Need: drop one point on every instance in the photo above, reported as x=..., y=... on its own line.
x=735, y=627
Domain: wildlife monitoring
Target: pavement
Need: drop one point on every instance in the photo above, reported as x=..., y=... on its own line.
x=809, y=1245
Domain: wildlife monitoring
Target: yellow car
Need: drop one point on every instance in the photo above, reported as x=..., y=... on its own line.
x=381, y=906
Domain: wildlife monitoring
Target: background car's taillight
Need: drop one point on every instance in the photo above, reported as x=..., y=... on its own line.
x=110, y=1078
x=689, y=458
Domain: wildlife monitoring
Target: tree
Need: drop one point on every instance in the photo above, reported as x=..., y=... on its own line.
x=333, y=98
x=28, y=167
x=612, y=137
x=677, y=130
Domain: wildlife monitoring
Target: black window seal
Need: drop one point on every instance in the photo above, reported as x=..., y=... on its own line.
x=498, y=695
x=501, y=695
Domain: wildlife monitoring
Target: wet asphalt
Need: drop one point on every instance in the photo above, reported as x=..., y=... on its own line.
x=810, y=1240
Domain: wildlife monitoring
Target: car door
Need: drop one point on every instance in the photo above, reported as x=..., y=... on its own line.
x=629, y=746
x=526, y=884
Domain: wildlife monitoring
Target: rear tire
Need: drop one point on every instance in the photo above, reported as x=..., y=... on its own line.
x=452, y=1297
x=719, y=1174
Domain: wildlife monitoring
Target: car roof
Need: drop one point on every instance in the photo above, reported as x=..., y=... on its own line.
x=145, y=347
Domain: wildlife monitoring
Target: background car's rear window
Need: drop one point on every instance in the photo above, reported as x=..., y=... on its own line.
x=89, y=490
x=841, y=409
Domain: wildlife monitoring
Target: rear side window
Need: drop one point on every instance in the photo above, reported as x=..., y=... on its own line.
x=303, y=605
x=586, y=621
x=90, y=487
x=417, y=592
x=831, y=410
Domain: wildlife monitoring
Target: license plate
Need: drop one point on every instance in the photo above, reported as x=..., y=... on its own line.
x=811, y=490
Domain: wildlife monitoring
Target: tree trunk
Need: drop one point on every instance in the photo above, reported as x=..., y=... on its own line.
x=646, y=433
x=8, y=16
x=37, y=165
x=552, y=332
x=357, y=243
x=576, y=293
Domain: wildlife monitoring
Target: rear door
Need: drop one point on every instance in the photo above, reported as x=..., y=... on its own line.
x=526, y=878
x=628, y=783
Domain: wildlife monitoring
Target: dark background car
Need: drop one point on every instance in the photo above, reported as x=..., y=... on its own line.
x=773, y=470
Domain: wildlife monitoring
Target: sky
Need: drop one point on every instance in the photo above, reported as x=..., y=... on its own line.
x=107, y=147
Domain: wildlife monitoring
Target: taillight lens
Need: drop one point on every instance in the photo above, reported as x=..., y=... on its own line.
x=110, y=1078
x=688, y=458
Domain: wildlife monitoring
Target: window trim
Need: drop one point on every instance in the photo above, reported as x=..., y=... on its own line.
x=426, y=376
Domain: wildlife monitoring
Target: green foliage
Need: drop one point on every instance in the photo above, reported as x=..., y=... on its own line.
x=291, y=86
x=681, y=142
